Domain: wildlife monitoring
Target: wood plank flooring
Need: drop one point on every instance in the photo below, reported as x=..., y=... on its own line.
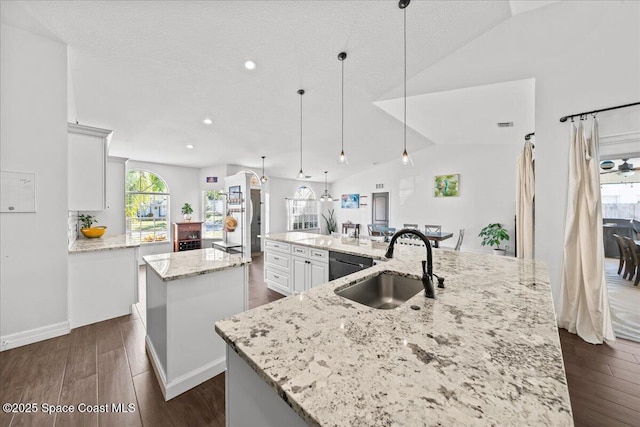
x=106, y=363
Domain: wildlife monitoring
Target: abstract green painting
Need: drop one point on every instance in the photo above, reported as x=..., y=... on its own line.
x=446, y=185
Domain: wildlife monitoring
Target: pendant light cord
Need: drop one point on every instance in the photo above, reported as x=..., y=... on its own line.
x=301, y=132
x=342, y=118
x=405, y=77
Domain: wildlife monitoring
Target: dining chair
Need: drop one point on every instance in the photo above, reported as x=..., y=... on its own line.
x=635, y=259
x=432, y=229
x=460, y=237
x=410, y=226
x=622, y=248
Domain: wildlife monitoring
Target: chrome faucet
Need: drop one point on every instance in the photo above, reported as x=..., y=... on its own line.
x=427, y=266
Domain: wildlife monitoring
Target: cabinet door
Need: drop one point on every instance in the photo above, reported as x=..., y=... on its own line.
x=319, y=273
x=87, y=159
x=298, y=274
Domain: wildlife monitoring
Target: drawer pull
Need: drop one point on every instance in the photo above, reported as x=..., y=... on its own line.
x=317, y=254
x=275, y=276
x=276, y=258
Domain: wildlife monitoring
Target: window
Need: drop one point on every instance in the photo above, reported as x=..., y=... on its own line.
x=146, y=207
x=213, y=214
x=303, y=210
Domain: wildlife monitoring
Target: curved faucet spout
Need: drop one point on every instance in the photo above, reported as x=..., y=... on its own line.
x=429, y=266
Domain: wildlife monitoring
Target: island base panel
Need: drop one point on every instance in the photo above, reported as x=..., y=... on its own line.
x=251, y=402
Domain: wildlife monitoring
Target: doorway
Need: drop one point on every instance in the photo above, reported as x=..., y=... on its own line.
x=256, y=220
x=380, y=209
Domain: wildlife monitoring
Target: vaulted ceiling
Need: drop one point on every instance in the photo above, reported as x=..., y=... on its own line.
x=152, y=71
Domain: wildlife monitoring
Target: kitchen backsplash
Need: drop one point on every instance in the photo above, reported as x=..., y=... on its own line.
x=72, y=228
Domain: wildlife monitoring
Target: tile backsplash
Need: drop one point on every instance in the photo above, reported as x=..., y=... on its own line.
x=72, y=228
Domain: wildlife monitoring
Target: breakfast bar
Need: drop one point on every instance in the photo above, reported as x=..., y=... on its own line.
x=484, y=352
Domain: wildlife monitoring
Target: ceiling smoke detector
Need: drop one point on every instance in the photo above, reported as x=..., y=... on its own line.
x=505, y=124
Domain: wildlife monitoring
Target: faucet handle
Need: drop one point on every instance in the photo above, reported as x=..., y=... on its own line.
x=424, y=267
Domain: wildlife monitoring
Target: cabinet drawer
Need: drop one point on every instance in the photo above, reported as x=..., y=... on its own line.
x=300, y=250
x=190, y=227
x=281, y=279
x=319, y=255
x=277, y=258
x=277, y=246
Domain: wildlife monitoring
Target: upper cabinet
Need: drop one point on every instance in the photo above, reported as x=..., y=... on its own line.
x=87, y=168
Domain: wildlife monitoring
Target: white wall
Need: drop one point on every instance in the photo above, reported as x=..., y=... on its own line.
x=113, y=216
x=33, y=138
x=584, y=56
x=487, y=191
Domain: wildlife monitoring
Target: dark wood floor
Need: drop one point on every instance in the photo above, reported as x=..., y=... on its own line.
x=106, y=363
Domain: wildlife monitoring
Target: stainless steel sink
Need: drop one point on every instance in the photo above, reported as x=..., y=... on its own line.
x=384, y=291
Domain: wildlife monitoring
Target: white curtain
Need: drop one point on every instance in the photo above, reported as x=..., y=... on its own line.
x=525, y=191
x=585, y=305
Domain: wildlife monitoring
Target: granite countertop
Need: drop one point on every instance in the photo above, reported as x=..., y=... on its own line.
x=105, y=243
x=179, y=265
x=350, y=245
x=485, y=352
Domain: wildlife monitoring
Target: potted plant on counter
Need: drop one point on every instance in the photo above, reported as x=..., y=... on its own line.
x=493, y=235
x=87, y=230
x=187, y=210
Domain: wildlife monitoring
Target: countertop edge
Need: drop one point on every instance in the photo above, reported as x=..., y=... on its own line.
x=200, y=273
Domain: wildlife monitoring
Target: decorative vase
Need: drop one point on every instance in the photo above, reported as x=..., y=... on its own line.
x=499, y=252
x=187, y=217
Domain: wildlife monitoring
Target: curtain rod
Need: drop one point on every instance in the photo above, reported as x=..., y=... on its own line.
x=528, y=136
x=565, y=118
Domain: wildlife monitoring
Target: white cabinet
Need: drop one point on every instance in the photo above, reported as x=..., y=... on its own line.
x=277, y=266
x=87, y=167
x=310, y=270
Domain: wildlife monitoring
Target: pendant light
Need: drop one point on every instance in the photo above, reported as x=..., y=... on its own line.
x=342, y=158
x=326, y=197
x=301, y=174
x=263, y=178
x=406, y=159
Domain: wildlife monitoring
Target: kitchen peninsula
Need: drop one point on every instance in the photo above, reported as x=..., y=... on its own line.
x=186, y=293
x=484, y=352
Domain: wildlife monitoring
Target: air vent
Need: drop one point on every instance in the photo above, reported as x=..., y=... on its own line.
x=505, y=124
x=379, y=186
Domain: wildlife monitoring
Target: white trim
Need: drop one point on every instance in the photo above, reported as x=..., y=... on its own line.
x=620, y=138
x=34, y=335
x=187, y=381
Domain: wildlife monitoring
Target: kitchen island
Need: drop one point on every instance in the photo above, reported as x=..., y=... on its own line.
x=485, y=352
x=186, y=293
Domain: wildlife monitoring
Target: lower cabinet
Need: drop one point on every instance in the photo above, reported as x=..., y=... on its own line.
x=307, y=273
x=291, y=269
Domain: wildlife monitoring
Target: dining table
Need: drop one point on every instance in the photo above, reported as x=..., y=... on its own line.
x=436, y=238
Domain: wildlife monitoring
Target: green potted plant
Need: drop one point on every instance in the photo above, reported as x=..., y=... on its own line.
x=187, y=210
x=493, y=235
x=86, y=228
x=330, y=221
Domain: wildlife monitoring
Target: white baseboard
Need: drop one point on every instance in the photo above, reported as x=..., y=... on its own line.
x=19, y=339
x=187, y=381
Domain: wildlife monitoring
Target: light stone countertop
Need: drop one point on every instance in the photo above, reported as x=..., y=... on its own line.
x=485, y=352
x=104, y=243
x=179, y=265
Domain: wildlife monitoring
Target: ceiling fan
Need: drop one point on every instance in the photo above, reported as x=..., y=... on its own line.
x=625, y=169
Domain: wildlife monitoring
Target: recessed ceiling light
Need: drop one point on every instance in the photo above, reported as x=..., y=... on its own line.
x=191, y=146
x=207, y=121
x=250, y=65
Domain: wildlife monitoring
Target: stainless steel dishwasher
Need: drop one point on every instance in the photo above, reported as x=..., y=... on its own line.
x=341, y=264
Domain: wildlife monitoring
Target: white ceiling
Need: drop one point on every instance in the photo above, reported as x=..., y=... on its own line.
x=522, y=6
x=470, y=115
x=151, y=71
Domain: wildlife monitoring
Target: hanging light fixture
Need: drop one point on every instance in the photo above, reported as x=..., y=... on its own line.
x=406, y=159
x=342, y=158
x=326, y=197
x=263, y=178
x=300, y=174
